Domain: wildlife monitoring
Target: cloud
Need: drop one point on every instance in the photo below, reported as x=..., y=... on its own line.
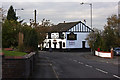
x=65, y=11
x=59, y=0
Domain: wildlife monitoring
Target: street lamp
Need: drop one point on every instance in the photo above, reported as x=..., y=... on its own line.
x=18, y=9
x=90, y=10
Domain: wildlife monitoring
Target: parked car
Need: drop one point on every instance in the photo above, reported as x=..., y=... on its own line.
x=116, y=51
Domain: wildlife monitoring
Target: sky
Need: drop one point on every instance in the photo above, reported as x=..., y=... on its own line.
x=64, y=10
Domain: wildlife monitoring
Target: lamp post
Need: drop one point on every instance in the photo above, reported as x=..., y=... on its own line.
x=21, y=36
x=18, y=9
x=90, y=10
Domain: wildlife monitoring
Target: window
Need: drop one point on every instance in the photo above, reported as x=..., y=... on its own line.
x=61, y=36
x=49, y=35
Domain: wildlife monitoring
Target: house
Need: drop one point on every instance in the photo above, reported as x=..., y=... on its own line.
x=67, y=36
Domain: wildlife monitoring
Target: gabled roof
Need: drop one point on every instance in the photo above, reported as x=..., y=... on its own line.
x=63, y=27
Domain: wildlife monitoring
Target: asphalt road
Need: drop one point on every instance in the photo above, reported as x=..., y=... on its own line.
x=65, y=65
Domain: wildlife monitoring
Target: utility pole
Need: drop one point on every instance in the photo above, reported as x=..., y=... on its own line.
x=119, y=17
x=35, y=18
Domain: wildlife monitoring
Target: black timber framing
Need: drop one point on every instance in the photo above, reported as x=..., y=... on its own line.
x=81, y=28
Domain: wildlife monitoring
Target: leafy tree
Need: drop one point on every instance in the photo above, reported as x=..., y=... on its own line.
x=108, y=38
x=30, y=40
x=10, y=30
x=92, y=38
x=11, y=15
x=46, y=23
x=41, y=31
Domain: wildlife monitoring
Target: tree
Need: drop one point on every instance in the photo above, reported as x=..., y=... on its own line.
x=2, y=15
x=108, y=38
x=10, y=30
x=93, y=38
x=11, y=15
x=41, y=33
x=46, y=23
x=30, y=40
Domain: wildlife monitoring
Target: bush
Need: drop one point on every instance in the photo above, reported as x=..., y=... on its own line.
x=31, y=40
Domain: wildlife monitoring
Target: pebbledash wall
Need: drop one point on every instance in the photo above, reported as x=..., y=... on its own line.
x=18, y=67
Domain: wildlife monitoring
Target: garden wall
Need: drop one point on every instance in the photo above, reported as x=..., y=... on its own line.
x=18, y=67
x=104, y=54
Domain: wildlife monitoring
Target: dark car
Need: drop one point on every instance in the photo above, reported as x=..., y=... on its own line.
x=116, y=51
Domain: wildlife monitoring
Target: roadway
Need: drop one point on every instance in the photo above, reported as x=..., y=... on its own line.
x=72, y=65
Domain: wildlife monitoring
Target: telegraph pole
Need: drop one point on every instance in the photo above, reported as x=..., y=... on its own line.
x=119, y=17
x=35, y=17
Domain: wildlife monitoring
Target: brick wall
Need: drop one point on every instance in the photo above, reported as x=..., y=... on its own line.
x=18, y=67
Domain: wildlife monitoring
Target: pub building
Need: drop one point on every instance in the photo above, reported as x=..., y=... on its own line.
x=67, y=36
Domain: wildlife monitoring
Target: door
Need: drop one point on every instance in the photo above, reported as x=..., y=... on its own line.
x=83, y=44
x=60, y=43
x=50, y=44
x=55, y=44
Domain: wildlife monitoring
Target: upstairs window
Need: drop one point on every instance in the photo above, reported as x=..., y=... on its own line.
x=61, y=36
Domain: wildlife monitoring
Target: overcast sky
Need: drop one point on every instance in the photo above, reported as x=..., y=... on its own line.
x=69, y=11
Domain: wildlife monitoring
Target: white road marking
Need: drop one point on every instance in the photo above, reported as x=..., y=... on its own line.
x=116, y=76
x=80, y=62
x=75, y=60
x=88, y=65
x=101, y=70
x=106, y=62
x=56, y=74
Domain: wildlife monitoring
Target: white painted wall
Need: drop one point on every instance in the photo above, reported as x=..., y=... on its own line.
x=46, y=45
x=54, y=36
x=68, y=43
x=103, y=54
x=77, y=43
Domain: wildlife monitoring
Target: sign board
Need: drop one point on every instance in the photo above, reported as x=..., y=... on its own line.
x=71, y=36
x=71, y=43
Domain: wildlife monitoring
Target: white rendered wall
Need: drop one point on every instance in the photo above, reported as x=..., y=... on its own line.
x=54, y=37
x=77, y=43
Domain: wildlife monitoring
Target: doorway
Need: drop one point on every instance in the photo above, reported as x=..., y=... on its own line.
x=83, y=44
x=60, y=43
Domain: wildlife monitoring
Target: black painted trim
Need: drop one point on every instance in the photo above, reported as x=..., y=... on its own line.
x=69, y=49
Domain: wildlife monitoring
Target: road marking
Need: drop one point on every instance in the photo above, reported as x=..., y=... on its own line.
x=116, y=76
x=88, y=66
x=75, y=60
x=101, y=70
x=55, y=73
x=80, y=62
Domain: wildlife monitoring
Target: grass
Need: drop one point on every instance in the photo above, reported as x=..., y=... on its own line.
x=13, y=53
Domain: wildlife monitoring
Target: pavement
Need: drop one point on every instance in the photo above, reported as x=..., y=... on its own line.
x=43, y=69
x=74, y=65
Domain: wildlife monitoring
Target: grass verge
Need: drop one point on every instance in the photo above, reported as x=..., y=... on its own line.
x=13, y=53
